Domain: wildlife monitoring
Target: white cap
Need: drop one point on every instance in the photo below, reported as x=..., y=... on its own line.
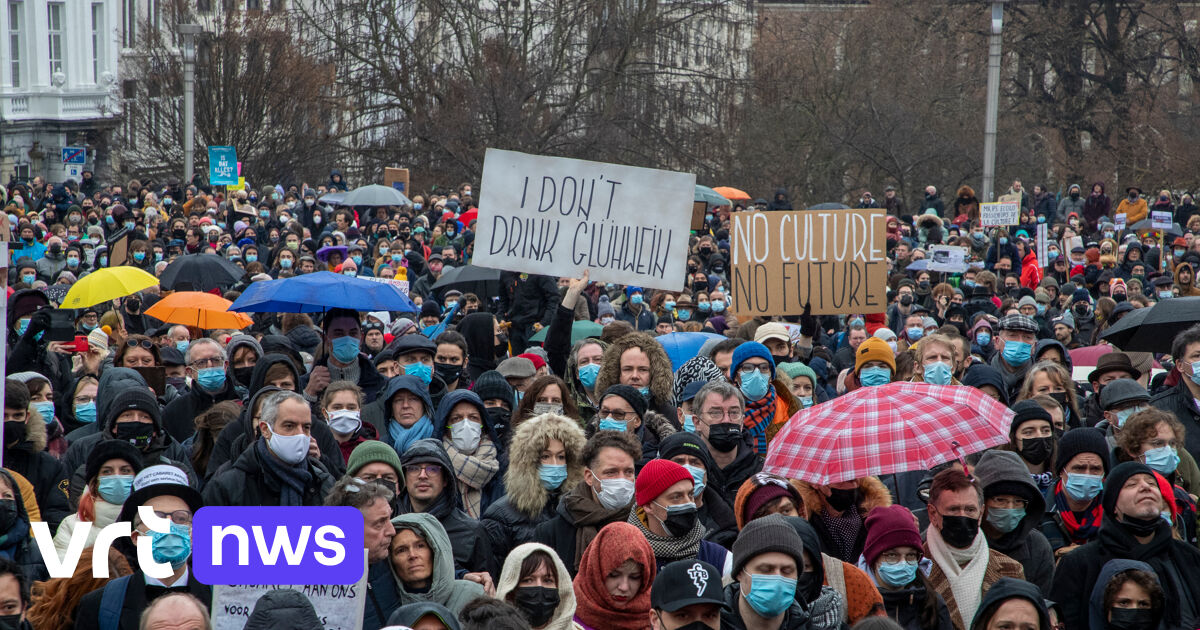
x=160, y=473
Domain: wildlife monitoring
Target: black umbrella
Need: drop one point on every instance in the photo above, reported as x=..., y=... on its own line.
x=829, y=205
x=482, y=281
x=200, y=272
x=1153, y=329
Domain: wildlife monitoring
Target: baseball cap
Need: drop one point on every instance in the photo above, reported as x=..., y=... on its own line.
x=772, y=330
x=685, y=583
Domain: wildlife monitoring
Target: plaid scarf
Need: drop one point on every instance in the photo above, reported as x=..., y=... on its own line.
x=1083, y=528
x=759, y=414
x=666, y=548
x=474, y=471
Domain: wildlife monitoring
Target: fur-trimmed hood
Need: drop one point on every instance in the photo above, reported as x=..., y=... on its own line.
x=662, y=379
x=525, y=490
x=871, y=494
x=35, y=430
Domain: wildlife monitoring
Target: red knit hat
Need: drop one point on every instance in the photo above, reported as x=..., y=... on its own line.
x=887, y=528
x=656, y=477
x=538, y=362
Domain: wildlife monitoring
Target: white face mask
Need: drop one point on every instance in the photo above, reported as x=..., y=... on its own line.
x=615, y=493
x=292, y=449
x=465, y=435
x=344, y=421
x=309, y=202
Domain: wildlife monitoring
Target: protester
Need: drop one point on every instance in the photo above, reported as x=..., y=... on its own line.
x=665, y=513
x=1013, y=510
x=1082, y=463
x=612, y=588
x=534, y=580
x=892, y=556
x=767, y=563
x=422, y=564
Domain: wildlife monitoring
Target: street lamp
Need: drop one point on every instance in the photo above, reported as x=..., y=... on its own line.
x=993, y=101
x=187, y=35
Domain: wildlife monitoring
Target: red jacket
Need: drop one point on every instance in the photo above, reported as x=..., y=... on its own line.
x=1031, y=272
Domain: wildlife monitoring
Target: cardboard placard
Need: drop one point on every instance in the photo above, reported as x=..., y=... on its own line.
x=560, y=216
x=1161, y=220
x=339, y=607
x=999, y=213
x=835, y=259
x=699, y=209
x=947, y=258
x=396, y=178
x=398, y=282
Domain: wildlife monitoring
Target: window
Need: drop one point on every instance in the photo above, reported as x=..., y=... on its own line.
x=14, y=40
x=97, y=41
x=129, y=18
x=54, y=27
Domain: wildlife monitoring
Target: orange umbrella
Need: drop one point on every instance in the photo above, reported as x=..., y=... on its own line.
x=198, y=309
x=731, y=193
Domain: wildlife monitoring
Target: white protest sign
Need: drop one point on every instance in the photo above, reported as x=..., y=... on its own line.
x=947, y=258
x=1161, y=220
x=999, y=213
x=1121, y=220
x=339, y=607
x=1042, y=244
x=560, y=216
x=401, y=285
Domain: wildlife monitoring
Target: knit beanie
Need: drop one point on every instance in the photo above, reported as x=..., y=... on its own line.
x=604, y=307
x=656, y=476
x=764, y=535
x=1081, y=440
x=430, y=308
x=491, y=385
x=683, y=443
x=370, y=452
x=762, y=496
x=139, y=398
x=887, y=528
x=874, y=349
x=750, y=349
x=631, y=396
x=1025, y=411
x=111, y=449
x=1081, y=295
x=538, y=362
x=1116, y=480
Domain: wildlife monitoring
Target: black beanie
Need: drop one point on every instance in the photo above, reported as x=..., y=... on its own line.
x=1081, y=440
x=764, y=535
x=631, y=396
x=1116, y=480
x=111, y=449
x=491, y=385
x=139, y=398
x=1025, y=411
x=683, y=443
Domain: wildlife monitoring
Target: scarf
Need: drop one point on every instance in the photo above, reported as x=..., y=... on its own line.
x=594, y=606
x=293, y=479
x=402, y=438
x=759, y=414
x=828, y=610
x=1081, y=527
x=966, y=582
x=668, y=549
x=474, y=471
x=588, y=516
x=11, y=541
x=843, y=529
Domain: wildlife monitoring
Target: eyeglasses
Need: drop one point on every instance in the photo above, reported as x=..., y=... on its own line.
x=200, y=364
x=619, y=416
x=717, y=415
x=893, y=557
x=145, y=343
x=750, y=368
x=428, y=469
x=179, y=517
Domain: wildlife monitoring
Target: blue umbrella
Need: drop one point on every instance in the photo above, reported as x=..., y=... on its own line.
x=683, y=346
x=319, y=292
x=917, y=265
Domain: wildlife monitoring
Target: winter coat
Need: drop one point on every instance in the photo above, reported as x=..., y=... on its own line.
x=106, y=514
x=1097, y=620
x=643, y=320
x=998, y=566
x=50, y=264
x=249, y=482
x=1134, y=210
x=1004, y=590
x=1044, y=205
x=566, y=593
x=444, y=589
x=966, y=203
x=871, y=494
x=1176, y=563
x=527, y=298
x=1178, y=400
x=494, y=489
x=283, y=608
x=575, y=523
x=47, y=475
x=1068, y=205
x=369, y=379
x=87, y=614
x=25, y=553
x=470, y=543
x=1031, y=271
x=180, y=414
x=662, y=378
x=1025, y=544
x=383, y=598
x=511, y=521
x=1096, y=207
x=906, y=605
x=796, y=618
x=780, y=201
x=727, y=481
x=935, y=202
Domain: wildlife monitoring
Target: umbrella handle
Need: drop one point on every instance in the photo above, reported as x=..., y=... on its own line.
x=962, y=459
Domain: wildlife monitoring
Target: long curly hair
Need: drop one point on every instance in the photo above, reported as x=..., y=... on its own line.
x=55, y=601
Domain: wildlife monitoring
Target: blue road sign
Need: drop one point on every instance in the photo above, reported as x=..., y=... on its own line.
x=74, y=155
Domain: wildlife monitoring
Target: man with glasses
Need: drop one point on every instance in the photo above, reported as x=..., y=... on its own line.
x=208, y=366
x=120, y=603
x=717, y=411
x=1013, y=511
x=768, y=406
x=374, y=500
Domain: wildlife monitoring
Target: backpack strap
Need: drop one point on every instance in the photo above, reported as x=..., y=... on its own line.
x=835, y=576
x=111, y=603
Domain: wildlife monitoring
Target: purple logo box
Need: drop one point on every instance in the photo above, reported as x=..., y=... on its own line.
x=277, y=545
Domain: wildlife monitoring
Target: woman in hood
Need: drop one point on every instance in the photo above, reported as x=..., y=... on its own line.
x=612, y=588
x=536, y=581
x=422, y=564
x=1120, y=584
x=476, y=453
x=485, y=344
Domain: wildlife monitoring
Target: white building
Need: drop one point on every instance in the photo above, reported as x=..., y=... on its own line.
x=58, y=74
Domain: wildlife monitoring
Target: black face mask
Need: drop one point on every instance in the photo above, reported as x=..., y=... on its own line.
x=537, y=603
x=840, y=499
x=724, y=437
x=1036, y=450
x=906, y=300
x=502, y=346
x=133, y=306
x=138, y=434
x=959, y=531
x=14, y=431
x=243, y=374
x=1141, y=526
x=695, y=625
x=448, y=372
x=1131, y=619
x=804, y=586
x=681, y=522
x=386, y=483
x=8, y=514
x=781, y=358
x=10, y=622
x=499, y=417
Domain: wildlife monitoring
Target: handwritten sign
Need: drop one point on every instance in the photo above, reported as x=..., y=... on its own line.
x=222, y=166
x=1161, y=220
x=399, y=284
x=947, y=258
x=999, y=213
x=1120, y=221
x=396, y=178
x=835, y=259
x=339, y=607
x=561, y=216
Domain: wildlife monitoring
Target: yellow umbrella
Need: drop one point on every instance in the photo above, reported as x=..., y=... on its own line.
x=198, y=309
x=107, y=284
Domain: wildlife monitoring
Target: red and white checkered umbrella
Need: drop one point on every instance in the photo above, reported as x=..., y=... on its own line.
x=887, y=429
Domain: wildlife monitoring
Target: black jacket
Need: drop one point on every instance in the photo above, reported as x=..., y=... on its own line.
x=383, y=597
x=905, y=606
x=283, y=608
x=247, y=482
x=508, y=527
x=87, y=614
x=47, y=475
x=731, y=617
x=728, y=480
x=1025, y=544
x=1178, y=400
x=180, y=414
x=526, y=298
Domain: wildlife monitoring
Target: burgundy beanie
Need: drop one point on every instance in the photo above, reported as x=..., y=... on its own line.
x=764, y=495
x=656, y=477
x=887, y=528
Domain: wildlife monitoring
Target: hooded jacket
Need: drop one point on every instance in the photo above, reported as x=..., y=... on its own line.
x=1187, y=288
x=1096, y=618
x=566, y=593
x=1067, y=205
x=1004, y=590
x=283, y=608
x=26, y=552
x=871, y=494
x=479, y=331
x=966, y=203
x=780, y=201
x=28, y=458
x=494, y=489
x=1000, y=472
x=443, y=588
x=1096, y=207
x=469, y=541
x=662, y=379
x=512, y=519
x=859, y=595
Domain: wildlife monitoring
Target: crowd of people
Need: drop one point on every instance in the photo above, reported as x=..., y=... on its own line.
x=512, y=474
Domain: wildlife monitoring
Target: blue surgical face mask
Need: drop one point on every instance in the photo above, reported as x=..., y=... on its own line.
x=86, y=412
x=770, y=595
x=697, y=479
x=689, y=424
x=806, y=401
x=685, y=314
x=608, y=424
x=115, y=488
x=182, y=346
x=754, y=385
x=1164, y=459
x=669, y=305
x=421, y=371
x=984, y=339
x=1083, y=487
x=1124, y=414
x=251, y=258
x=636, y=298
x=703, y=306
x=173, y=547
x=1041, y=309
x=28, y=278
x=552, y=475
x=873, y=376
x=915, y=333
x=938, y=374
x=1005, y=519
x=22, y=325
x=1052, y=255
x=644, y=391
x=588, y=374
x=357, y=258
x=345, y=349
x=1165, y=295
x=1004, y=240
x=46, y=408
x=897, y=574
x=718, y=306
x=285, y=263
x=397, y=257
x=211, y=379
x=1016, y=353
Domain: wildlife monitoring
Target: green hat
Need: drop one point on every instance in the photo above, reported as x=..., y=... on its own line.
x=370, y=452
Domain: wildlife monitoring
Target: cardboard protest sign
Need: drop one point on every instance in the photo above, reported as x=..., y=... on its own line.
x=396, y=178
x=835, y=259
x=559, y=216
x=1120, y=221
x=999, y=213
x=339, y=607
x=947, y=258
